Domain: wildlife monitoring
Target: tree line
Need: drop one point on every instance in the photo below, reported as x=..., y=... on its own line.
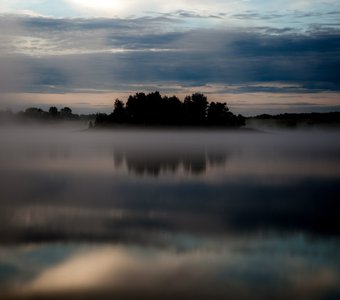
x=53, y=115
x=155, y=110
x=295, y=120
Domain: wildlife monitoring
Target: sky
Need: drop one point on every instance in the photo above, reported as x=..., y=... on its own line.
x=258, y=56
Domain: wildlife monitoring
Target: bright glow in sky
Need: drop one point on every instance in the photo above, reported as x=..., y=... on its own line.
x=66, y=8
x=102, y=7
x=100, y=4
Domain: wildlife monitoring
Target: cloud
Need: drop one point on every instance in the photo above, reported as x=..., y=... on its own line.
x=14, y=68
x=49, y=55
x=231, y=12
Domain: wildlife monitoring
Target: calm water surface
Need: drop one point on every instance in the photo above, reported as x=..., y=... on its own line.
x=168, y=214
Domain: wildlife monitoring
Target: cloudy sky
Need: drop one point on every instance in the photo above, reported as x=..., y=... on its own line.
x=258, y=56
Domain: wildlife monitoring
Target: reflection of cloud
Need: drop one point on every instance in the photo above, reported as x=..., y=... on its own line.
x=87, y=271
x=219, y=271
x=139, y=212
x=314, y=285
x=115, y=270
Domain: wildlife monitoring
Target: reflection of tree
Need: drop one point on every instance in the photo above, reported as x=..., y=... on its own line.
x=156, y=162
x=216, y=158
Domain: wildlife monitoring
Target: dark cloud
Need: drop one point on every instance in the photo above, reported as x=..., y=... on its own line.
x=114, y=25
x=192, y=14
x=112, y=53
x=257, y=16
x=187, y=14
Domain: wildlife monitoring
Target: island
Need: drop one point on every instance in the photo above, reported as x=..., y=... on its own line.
x=153, y=109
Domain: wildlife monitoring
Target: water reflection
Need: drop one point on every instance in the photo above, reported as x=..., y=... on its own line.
x=117, y=214
x=150, y=162
x=170, y=214
x=255, y=268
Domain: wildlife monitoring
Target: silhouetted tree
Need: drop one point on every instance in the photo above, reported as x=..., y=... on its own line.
x=195, y=109
x=146, y=109
x=293, y=120
x=102, y=120
x=172, y=113
x=53, y=111
x=136, y=107
x=154, y=109
x=119, y=114
x=33, y=111
x=66, y=112
x=218, y=114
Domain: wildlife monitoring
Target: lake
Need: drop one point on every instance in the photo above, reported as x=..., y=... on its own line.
x=168, y=214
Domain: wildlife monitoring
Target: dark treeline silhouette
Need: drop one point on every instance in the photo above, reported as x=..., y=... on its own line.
x=52, y=115
x=154, y=110
x=293, y=120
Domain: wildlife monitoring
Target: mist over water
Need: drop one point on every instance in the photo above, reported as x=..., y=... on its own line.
x=201, y=214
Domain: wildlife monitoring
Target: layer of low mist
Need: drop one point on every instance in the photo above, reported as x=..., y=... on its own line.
x=67, y=184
